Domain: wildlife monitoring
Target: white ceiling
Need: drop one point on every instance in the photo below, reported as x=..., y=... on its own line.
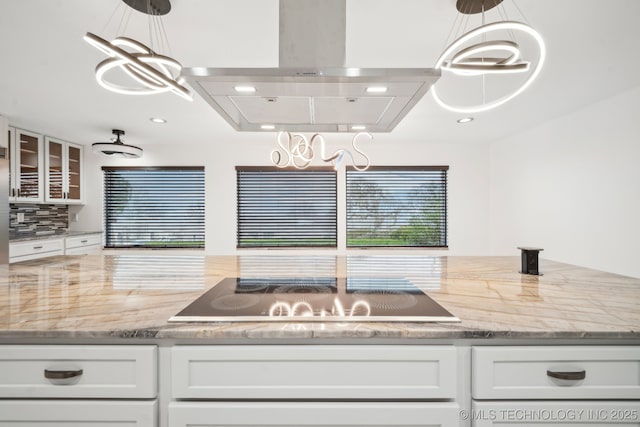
x=47, y=82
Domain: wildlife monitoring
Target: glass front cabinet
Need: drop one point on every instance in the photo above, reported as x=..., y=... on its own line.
x=26, y=178
x=63, y=162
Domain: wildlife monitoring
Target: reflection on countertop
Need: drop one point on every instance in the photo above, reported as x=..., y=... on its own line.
x=132, y=296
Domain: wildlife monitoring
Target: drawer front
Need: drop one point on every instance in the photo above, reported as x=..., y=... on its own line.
x=85, y=240
x=314, y=372
x=570, y=413
x=84, y=250
x=41, y=371
x=35, y=247
x=218, y=414
x=556, y=372
x=65, y=413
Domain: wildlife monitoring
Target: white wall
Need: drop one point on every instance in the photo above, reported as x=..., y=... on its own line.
x=572, y=187
x=468, y=185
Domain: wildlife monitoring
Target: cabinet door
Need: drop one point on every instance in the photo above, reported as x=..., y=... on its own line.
x=63, y=164
x=26, y=162
x=74, y=173
x=55, y=166
x=316, y=414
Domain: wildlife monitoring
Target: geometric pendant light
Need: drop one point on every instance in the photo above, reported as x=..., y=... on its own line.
x=117, y=148
x=147, y=71
x=487, y=50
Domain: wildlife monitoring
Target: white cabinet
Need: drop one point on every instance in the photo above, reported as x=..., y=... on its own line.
x=26, y=160
x=35, y=249
x=44, y=169
x=64, y=172
x=86, y=244
x=555, y=385
x=99, y=386
x=340, y=385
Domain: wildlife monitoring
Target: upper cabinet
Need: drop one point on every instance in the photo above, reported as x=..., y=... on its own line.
x=26, y=160
x=44, y=169
x=64, y=170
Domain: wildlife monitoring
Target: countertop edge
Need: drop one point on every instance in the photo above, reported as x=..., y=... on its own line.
x=54, y=236
x=297, y=332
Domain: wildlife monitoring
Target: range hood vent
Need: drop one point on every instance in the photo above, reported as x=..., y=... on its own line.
x=311, y=90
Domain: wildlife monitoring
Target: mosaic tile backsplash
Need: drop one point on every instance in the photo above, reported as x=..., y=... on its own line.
x=39, y=220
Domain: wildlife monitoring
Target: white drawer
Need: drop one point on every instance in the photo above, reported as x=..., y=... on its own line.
x=34, y=247
x=570, y=413
x=84, y=250
x=223, y=414
x=84, y=240
x=30, y=371
x=314, y=372
x=610, y=372
x=64, y=413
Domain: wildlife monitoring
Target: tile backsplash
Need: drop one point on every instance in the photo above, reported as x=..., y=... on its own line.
x=39, y=220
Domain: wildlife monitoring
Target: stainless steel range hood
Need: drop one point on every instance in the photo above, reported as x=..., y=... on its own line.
x=312, y=91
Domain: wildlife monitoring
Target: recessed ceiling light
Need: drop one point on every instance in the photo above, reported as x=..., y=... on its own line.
x=158, y=120
x=244, y=88
x=358, y=127
x=267, y=127
x=465, y=120
x=376, y=89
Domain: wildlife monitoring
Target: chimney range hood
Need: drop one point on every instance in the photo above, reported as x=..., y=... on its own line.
x=311, y=90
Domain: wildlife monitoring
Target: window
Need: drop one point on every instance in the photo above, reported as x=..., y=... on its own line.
x=154, y=207
x=286, y=208
x=397, y=206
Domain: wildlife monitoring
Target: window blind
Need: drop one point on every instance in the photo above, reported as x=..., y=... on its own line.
x=397, y=207
x=286, y=208
x=154, y=207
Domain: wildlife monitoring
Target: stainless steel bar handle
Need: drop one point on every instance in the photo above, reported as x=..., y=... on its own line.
x=59, y=375
x=574, y=376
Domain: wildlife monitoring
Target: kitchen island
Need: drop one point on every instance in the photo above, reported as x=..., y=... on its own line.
x=555, y=348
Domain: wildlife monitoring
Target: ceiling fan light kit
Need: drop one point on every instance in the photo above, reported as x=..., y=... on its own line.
x=117, y=148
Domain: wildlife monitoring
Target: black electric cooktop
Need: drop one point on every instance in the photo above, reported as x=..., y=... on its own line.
x=314, y=299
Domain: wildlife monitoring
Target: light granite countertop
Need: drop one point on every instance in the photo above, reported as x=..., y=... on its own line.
x=133, y=295
x=54, y=236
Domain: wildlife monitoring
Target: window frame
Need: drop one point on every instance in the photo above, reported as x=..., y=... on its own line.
x=271, y=169
x=445, y=212
x=106, y=225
